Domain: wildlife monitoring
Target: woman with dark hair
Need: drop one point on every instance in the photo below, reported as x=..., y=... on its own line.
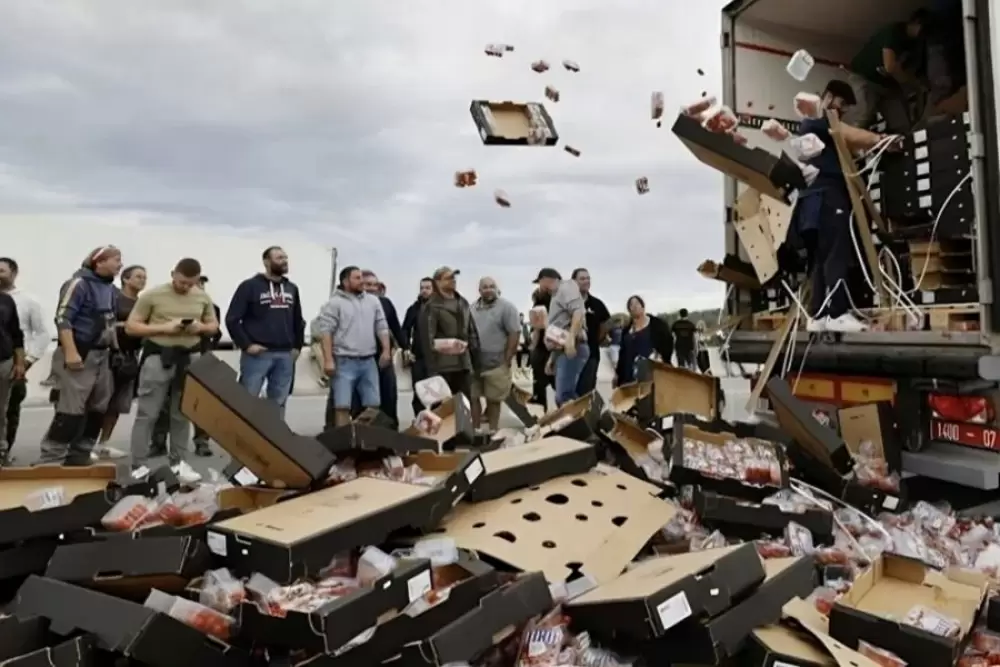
x=643, y=337
x=540, y=356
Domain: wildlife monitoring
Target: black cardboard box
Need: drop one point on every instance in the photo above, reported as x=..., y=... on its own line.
x=76, y=652
x=475, y=632
x=629, y=445
x=509, y=123
x=718, y=433
x=251, y=428
x=655, y=595
x=336, y=623
x=771, y=175
x=297, y=537
x=120, y=626
x=714, y=640
x=360, y=436
x=796, y=419
x=875, y=423
x=680, y=391
x=90, y=491
x=469, y=579
x=531, y=464
x=131, y=568
x=882, y=596
x=748, y=521
x=577, y=419
x=19, y=636
x=455, y=429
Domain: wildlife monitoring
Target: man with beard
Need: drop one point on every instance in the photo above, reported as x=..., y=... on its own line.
x=598, y=322
x=353, y=334
x=499, y=331
x=265, y=322
x=36, y=342
x=413, y=353
x=388, y=391
x=447, y=315
x=172, y=319
x=85, y=319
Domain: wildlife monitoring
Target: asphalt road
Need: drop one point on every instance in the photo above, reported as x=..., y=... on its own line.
x=304, y=415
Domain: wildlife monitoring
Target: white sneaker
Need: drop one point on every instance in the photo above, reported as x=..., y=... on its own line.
x=186, y=474
x=818, y=325
x=106, y=452
x=846, y=323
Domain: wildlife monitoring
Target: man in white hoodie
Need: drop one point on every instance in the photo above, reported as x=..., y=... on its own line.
x=36, y=341
x=346, y=323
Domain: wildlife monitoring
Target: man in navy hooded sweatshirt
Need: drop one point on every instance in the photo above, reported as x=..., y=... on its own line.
x=265, y=322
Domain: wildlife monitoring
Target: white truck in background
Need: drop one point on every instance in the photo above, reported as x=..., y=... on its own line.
x=914, y=369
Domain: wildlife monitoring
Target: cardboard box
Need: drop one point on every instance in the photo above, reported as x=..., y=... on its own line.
x=774, y=176
x=131, y=568
x=591, y=524
x=76, y=652
x=530, y=464
x=577, y=419
x=633, y=400
x=719, y=433
x=884, y=594
x=509, y=123
x=796, y=419
x=457, y=473
x=748, y=521
x=90, y=491
x=368, y=436
x=121, y=626
x=474, y=578
x=250, y=428
x=296, y=538
x=801, y=640
x=713, y=640
x=336, y=623
x=629, y=445
x=474, y=633
x=456, y=425
x=680, y=391
x=232, y=502
x=732, y=271
x=875, y=423
x=657, y=594
x=19, y=636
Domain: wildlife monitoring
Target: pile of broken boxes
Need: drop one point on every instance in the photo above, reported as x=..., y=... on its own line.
x=643, y=531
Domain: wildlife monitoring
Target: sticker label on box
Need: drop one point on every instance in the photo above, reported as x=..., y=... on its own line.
x=673, y=610
x=890, y=502
x=419, y=585
x=782, y=664
x=245, y=478
x=216, y=543
x=474, y=471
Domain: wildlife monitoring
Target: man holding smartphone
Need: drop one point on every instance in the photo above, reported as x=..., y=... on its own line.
x=171, y=319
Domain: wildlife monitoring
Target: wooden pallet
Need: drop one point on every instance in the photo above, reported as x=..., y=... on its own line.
x=771, y=321
x=958, y=317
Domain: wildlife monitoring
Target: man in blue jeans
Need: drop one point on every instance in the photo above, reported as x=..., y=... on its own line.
x=346, y=323
x=265, y=322
x=567, y=311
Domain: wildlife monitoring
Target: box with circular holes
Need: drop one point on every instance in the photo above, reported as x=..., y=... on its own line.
x=592, y=524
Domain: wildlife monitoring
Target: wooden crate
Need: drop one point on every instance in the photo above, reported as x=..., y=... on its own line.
x=958, y=317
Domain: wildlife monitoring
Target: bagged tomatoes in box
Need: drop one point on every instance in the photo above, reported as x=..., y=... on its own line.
x=450, y=346
x=552, y=93
x=556, y=337
x=739, y=138
x=808, y=146
x=427, y=422
x=130, y=513
x=642, y=185
x=696, y=109
x=656, y=105
x=221, y=591
x=720, y=119
x=772, y=129
x=808, y=105
x=432, y=390
x=540, y=66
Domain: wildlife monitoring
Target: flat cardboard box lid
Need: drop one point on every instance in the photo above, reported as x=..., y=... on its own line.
x=299, y=519
x=509, y=123
x=531, y=453
x=250, y=428
x=826, y=650
x=16, y=484
x=631, y=437
x=592, y=523
x=678, y=390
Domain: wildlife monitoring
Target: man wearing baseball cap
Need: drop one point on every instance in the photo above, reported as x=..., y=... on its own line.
x=447, y=315
x=567, y=312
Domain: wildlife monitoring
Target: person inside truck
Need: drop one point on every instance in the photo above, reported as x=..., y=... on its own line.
x=884, y=70
x=822, y=217
x=947, y=48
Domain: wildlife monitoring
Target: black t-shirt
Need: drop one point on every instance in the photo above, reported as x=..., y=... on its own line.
x=597, y=316
x=684, y=331
x=126, y=343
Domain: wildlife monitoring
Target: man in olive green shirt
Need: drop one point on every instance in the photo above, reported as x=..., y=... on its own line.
x=171, y=319
x=881, y=73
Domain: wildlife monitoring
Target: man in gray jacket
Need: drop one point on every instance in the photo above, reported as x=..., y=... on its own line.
x=346, y=323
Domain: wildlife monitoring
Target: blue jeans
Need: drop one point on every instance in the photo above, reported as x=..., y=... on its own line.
x=568, y=373
x=276, y=368
x=355, y=374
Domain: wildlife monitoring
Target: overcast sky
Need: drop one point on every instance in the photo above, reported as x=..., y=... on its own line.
x=347, y=120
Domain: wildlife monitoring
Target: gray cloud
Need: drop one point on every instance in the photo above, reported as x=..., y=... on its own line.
x=346, y=121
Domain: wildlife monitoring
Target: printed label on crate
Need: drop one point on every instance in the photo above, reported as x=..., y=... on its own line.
x=474, y=470
x=419, y=585
x=890, y=503
x=673, y=610
x=216, y=543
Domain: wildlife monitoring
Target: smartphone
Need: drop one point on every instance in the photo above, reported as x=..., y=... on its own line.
x=188, y=321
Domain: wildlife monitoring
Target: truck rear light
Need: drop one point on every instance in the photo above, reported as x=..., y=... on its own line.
x=965, y=409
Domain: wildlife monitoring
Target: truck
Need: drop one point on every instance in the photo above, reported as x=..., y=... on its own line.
x=942, y=383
